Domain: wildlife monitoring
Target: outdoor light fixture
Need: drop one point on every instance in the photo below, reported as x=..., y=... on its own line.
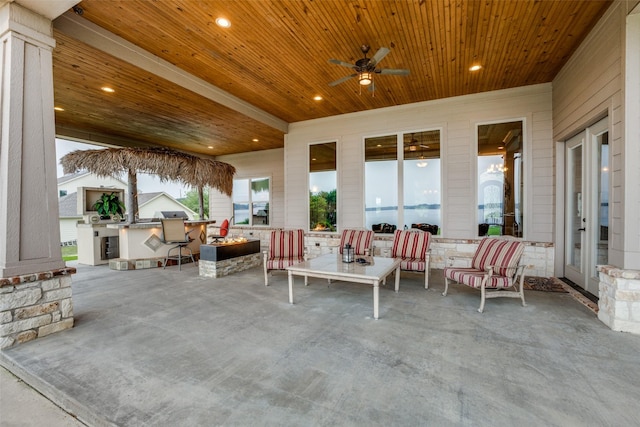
x=365, y=78
x=348, y=254
x=223, y=22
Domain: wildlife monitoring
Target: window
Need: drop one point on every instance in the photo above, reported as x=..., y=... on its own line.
x=419, y=187
x=322, y=187
x=251, y=201
x=381, y=181
x=62, y=193
x=500, y=179
x=421, y=181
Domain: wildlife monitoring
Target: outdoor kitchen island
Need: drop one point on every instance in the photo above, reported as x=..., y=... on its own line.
x=140, y=245
x=229, y=256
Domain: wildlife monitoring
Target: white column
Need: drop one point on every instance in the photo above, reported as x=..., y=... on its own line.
x=631, y=158
x=29, y=229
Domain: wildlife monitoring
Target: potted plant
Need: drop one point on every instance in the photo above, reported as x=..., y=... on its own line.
x=109, y=206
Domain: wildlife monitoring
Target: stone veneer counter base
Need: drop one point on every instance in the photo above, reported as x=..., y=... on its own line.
x=218, y=260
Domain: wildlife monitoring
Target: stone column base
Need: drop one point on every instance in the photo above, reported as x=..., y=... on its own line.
x=35, y=305
x=619, y=299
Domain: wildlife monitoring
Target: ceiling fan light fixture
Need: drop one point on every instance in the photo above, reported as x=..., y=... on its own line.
x=365, y=78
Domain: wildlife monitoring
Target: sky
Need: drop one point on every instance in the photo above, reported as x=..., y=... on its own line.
x=146, y=183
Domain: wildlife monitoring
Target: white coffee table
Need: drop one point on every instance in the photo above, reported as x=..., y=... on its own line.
x=331, y=267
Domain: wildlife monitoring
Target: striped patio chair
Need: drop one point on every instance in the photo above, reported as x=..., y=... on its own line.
x=412, y=247
x=286, y=247
x=494, y=269
x=360, y=240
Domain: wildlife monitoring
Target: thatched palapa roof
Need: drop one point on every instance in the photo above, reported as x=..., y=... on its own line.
x=167, y=164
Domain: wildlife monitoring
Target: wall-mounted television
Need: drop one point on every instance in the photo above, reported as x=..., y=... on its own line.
x=88, y=196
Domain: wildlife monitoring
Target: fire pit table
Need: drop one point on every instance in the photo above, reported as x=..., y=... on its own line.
x=220, y=259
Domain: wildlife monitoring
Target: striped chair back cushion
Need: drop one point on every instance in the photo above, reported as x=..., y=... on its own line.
x=412, y=244
x=498, y=252
x=360, y=240
x=286, y=244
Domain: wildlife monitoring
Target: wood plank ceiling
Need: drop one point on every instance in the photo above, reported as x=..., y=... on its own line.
x=275, y=57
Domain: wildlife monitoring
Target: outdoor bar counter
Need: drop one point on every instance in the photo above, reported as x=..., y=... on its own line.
x=140, y=244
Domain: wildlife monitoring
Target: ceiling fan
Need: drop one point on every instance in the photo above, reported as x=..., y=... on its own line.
x=414, y=144
x=365, y=67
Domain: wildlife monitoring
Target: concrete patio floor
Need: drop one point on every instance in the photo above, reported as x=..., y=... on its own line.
x=169, y=348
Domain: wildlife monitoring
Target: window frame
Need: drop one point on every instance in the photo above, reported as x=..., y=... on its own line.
x=400, y=169
x=250, y=179
x=308, y=176
x=526, y=172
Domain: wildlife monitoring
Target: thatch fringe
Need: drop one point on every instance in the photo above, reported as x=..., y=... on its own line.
x=167, y=164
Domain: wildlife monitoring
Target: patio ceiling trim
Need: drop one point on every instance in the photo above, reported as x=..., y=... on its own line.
x=48, y=8
x=99, y=38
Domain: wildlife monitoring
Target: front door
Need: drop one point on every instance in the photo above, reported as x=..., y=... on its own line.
x=587, y=205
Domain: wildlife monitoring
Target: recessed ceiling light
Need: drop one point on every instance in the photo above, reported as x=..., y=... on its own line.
x=475, y=67
x=223, y=22
x=255, y=140
x=58, y=108
x=210, y=147
x=108, y=89
x=317, y=98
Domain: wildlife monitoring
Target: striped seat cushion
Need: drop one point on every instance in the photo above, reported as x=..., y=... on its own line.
x=503, y=254
x=286, y=244
x=282, y=263
x=360, y=240
x=413, y=264
x=412, y=247
x=473, y=277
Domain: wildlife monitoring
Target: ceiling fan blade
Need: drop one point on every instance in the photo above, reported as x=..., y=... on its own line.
x=394, y=71
x=342, y=80
x=381, y=53
x=342, y=63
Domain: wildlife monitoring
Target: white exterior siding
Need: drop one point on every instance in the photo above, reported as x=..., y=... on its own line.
x=266, y=163
x=457, y=118
x=68, y=231
x=90, y=180
x=163, y=203
x=590, y=87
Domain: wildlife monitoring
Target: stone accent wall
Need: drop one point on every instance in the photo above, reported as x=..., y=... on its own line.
x=619, y=298
x=538, y=256
x=35, y=305
x=228, y=266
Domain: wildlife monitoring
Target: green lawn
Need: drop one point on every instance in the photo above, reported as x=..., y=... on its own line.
x=69, y=253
